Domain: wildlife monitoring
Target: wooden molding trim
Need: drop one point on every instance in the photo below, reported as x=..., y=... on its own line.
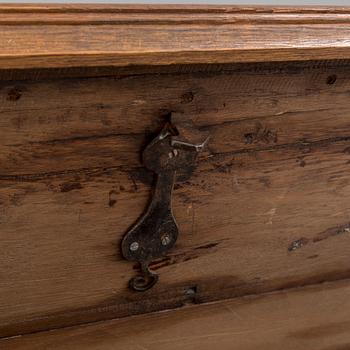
x=47, y=36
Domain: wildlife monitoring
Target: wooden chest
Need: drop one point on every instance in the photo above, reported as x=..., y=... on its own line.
x=263, y=218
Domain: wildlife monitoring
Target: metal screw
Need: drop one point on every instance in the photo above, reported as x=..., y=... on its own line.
x=173, y=153
x=134, y=246
x=165, y=239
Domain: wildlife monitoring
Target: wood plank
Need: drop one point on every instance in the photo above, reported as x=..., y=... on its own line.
x=259, y=221
x=62, y=36
x=314, y=318
x=259, y=214
x=104, y=122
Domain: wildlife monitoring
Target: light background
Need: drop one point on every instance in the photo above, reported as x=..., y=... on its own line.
x=214, y=2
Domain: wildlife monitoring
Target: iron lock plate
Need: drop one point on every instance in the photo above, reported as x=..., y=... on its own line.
x=175, y=149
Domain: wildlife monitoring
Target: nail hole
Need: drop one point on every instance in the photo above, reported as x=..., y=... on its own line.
x=191, y=290
x=14, y=94
x=112, y=198
x=331, y=79
x=187, y=97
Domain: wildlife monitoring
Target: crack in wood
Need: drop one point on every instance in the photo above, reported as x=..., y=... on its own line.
x=212, y=156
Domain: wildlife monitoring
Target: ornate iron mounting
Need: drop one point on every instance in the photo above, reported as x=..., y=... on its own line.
x=174, y=150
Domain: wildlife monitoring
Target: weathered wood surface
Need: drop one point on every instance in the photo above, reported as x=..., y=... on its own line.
x=266, y=209
x=38, y=36
x=313, y=318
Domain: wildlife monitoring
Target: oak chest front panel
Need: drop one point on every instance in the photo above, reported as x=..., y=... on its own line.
x=267, y=207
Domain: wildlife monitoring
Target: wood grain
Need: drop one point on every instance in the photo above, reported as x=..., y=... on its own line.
x=315, y=318
x=266, y=209
x=103, y=122
x=39, y=36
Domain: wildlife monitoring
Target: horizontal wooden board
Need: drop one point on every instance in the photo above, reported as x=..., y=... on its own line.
x=42, y=36
x=315, y=318
x=103, y=122
x=266, y=209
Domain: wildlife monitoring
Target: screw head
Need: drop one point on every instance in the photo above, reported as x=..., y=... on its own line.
x=165, y=239
x=134, y=246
